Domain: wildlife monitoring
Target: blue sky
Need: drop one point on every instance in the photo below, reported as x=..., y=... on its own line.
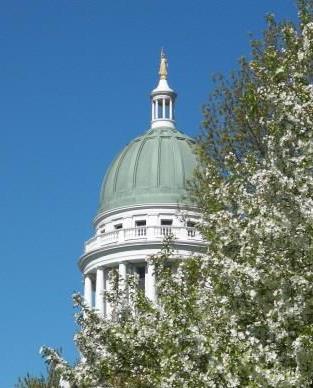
x=75, y=78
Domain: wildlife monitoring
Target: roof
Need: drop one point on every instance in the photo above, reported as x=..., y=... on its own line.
x=152, y=169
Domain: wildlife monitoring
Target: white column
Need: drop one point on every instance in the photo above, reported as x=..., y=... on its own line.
x=88, y=290
x=108, y=287
x=99, y=291
x=152, y=110
x=171, y=109
x=163, y=108
x=122, y=271
x=150, y=288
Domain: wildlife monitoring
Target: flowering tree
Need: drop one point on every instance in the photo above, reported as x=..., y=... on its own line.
x=147, y=345
x=256, y=203
x=51, y=380
x=241, y=315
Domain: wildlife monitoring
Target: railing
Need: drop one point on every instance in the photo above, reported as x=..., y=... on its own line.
x=166, y=230
x=141, y=233
x=191, y=232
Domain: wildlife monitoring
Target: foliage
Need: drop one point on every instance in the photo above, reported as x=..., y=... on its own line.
x=232, y=114
x=256, y=203
x=51, y=381
x=142, y=344
x=241, y=315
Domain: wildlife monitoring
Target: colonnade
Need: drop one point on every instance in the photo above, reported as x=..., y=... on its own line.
x=162, y=108
x=96, y=283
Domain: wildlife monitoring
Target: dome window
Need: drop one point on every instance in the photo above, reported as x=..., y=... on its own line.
x=118, y=226
x=101, y=229
x=191, y=228
x=159, y=109
x=167, y=110
x=141, y=229
x=166, y=227
x=166, y=222
x=140, y=223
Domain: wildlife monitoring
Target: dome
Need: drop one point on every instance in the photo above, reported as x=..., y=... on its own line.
x=152, y=169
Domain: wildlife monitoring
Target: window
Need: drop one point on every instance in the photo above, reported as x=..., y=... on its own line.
x=159, y=105
x=102, y=229
x=141, y=274
x=166, y=222
x=166, y=229
x=157, y=109
x=140, y=223
x=141, y=229
x=191, y=228
x=167, y=109
x=118, y=226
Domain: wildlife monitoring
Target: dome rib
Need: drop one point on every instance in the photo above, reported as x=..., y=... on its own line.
x=123, y=154
x=137, y=161
x=181, y=163
x=159, y=161
x=177, y=159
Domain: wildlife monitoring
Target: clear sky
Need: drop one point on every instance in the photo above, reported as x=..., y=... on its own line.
x=75, y=78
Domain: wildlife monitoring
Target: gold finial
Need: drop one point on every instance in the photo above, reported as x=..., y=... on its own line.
x=163, y=65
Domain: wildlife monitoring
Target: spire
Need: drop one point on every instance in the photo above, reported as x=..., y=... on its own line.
x=163, y=99
x=163, y=65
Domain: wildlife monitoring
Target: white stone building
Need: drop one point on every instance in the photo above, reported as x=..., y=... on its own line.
x=142, y=199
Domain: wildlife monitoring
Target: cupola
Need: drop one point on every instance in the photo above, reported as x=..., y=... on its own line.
x=163, y=99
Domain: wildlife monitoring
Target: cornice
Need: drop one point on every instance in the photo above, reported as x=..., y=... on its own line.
x=99, y=217
x=192, y=246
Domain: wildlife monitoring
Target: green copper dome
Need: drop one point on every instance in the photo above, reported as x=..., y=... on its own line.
x=152, y=169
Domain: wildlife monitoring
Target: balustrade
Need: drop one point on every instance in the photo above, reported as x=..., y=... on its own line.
x=166, y=230
x=191, y=232
x=142, y=232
